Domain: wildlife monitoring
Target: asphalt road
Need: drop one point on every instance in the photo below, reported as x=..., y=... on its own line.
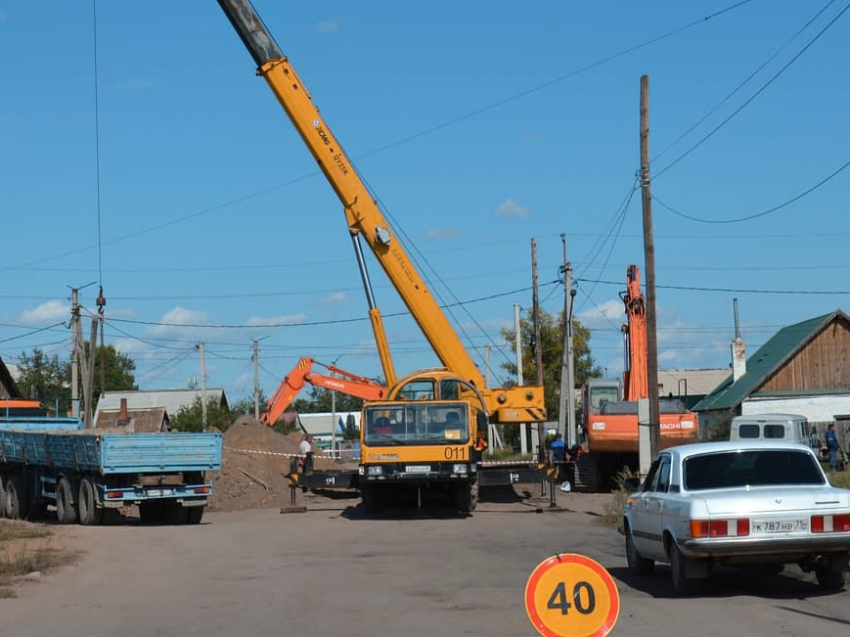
x=334, y=571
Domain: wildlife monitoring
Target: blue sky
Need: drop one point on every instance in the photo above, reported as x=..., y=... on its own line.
x=479, y=125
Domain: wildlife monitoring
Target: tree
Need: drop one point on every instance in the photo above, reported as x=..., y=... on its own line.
x=552, y=345
x=44, y=378
x=48, y=379
x=320, y=401
x=190, y=417
x=245, y=406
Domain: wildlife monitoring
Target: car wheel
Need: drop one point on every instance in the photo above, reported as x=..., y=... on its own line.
x=638, y=565
x=831, y=575
x=682, y=584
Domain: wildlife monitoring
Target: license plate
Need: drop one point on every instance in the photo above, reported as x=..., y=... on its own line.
x=418, y=468
x=788, y=525
x=155, y=493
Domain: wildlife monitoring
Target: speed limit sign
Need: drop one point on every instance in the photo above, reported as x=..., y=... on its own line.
x=570, y=595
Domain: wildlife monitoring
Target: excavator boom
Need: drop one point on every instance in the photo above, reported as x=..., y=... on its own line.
x=293, y=383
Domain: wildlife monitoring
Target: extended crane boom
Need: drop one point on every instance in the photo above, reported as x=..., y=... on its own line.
x=365, y=219
x=293, y=383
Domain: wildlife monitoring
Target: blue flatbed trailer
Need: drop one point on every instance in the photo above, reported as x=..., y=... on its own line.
x=83, y=472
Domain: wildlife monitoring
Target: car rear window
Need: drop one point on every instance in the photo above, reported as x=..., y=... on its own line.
x=748, y=431
x=774, y=431
x=729, y=469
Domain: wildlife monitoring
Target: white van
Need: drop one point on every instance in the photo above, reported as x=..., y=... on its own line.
x=786, y=427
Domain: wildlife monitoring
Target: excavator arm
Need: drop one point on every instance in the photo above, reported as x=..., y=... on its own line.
x=365, y=219
x=293, y=383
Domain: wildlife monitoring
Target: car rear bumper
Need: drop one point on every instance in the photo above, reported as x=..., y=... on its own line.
x=749, y=547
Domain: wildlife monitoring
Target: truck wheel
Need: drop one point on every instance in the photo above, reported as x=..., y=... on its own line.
x=683, y=586
x=175, y=514
x=638, y=565
x=2, y=497
x=194, y=515
x=369, y=498
x=465, y=497
x=151, y=512
x=66, y=510
x=90, y=513
x=16, y=500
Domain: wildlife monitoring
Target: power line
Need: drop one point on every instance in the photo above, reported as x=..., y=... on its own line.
x=752, y=97
x=758, y=214
x=694, y=288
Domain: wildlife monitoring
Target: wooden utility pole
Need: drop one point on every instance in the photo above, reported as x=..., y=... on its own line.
x=75, y=360
x=538, y=345
x=649, y=268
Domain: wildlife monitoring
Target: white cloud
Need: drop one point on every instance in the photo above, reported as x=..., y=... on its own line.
x=327, y=26
x=49, y=312
x=178, y=321
x=510, y=208
x=435, y=233
x=334, y=298
x=274, y=321
x=601, y=313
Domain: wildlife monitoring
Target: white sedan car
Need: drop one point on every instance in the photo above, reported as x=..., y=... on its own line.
x=756, y=504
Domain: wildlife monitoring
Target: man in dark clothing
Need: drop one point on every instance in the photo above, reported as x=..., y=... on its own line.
x=832, y=447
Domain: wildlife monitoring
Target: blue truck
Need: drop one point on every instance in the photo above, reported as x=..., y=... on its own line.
x=84, y=472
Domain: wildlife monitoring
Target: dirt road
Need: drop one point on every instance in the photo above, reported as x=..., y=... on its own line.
x=333, y=571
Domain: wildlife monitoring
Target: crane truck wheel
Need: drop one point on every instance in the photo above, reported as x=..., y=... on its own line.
x=465, y=497
x=16, y=502
x=90, y=513
x=2, y=496
x=194, y=515
x=370, y=499
x=66, y=510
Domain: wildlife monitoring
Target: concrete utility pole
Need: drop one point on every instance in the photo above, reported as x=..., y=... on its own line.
x=203, y=388
x=567, y=403
x=75, y=360
x=256, y=379
x=101, y=303
x=523, y=428
x=538, y=442
x=649, y=267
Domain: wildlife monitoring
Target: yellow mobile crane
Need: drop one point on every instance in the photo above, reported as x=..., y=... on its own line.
x=427, y=432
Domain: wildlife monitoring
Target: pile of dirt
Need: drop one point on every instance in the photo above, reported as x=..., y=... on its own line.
x=255, y=459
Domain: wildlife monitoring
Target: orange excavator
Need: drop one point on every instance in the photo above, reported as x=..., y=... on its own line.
x=293, y=383
x=610, y=419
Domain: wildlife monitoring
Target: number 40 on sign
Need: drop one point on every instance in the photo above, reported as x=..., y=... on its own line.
x=570, y=595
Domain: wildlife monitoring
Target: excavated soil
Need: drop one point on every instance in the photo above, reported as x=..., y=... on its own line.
x=255, y=459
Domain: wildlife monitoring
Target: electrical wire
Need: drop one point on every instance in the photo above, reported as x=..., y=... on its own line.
x=694, y=288
x=758, y=214
x=753, y=96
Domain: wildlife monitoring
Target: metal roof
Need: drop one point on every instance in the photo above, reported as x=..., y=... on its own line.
x=169, y=399
x=785, y=344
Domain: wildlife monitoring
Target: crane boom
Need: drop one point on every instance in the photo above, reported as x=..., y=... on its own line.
x=365, y=219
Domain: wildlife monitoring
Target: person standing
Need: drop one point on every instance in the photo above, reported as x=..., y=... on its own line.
x=832, y=447
x=559, y=453
x=305, y=453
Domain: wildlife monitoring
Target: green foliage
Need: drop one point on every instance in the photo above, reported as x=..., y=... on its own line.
x=190, y=418
x=245, y=406
x=44, y=378
x=552, y=347
x=48, y=379
x=321, y=400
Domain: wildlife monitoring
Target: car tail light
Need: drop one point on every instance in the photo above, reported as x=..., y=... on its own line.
x=732, y=527
x=114, y=494
x=831, y=523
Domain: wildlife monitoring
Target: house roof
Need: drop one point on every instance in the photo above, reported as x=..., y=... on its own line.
x=140, y=420
x=169, y=399
x=691, y=382
x=321, y=424
x=7, y=382
x=767, y=360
